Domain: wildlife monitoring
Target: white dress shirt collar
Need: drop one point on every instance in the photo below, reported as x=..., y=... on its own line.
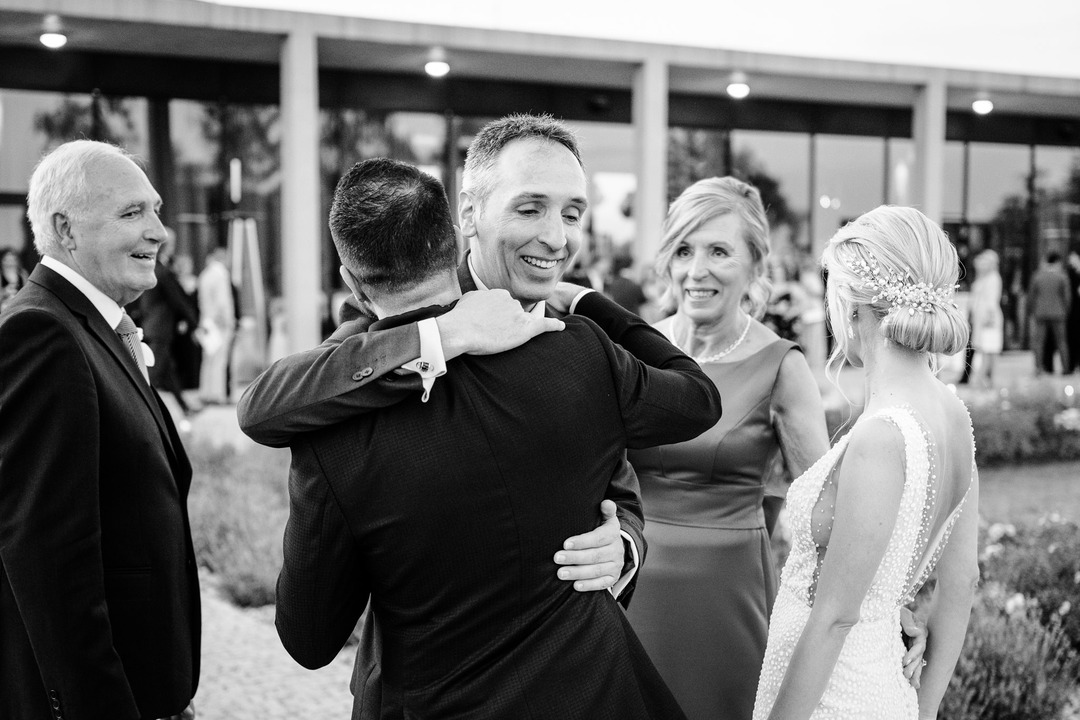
x=105, y=305
x=538, y=309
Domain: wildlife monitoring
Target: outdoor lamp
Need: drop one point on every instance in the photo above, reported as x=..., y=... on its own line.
x=982, y=105
x=436, y=63
x=52, y=33
x=737, y=85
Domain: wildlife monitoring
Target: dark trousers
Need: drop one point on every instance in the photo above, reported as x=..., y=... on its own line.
x=1044, y=331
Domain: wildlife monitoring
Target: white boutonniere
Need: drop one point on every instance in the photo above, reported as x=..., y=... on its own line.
x=147, y=353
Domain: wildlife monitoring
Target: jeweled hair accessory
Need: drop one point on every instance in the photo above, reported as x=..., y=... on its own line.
x=901, y=291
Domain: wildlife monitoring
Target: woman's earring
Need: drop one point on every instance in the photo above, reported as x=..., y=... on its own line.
x=850, y=328
x=850, y=333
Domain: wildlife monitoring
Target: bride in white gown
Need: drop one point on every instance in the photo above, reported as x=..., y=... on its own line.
x=895, y=499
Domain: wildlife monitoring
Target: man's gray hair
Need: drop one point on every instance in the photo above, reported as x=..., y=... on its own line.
x=479, y=178
x=60, y=185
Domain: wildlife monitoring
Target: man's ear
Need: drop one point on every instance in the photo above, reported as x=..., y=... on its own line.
x=61, y=225
x=468, y=211
x=351, y=282
x=362, y=300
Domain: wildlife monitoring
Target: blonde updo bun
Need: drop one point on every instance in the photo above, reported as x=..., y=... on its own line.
x=902, y=243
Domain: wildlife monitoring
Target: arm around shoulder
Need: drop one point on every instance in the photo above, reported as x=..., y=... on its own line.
x=672, y=401
x=347, y=375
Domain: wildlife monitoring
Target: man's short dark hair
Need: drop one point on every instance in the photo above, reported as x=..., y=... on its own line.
x=391, y=225
x=497, y=134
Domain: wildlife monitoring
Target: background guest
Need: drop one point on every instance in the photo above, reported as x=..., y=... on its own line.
x=159, y=311
x=217, y=324
x=1049, y=300
x=987, y=319
x=704, y=597
x=1072, y=329
x=12, y=275
x=187, y=354
x=620, y=287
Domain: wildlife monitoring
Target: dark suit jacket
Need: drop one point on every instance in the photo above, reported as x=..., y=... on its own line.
x=99, y=596
x=157, y=312
x=1049, y=296
x=449, y=517
x=337, y=380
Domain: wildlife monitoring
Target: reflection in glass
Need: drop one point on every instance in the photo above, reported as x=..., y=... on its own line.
x=778, y=163
x=850, y=173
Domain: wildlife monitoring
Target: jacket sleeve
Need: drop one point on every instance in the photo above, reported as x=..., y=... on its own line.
x=321, y=591
x=665, y=397
x=349, y=374
x=50, y=516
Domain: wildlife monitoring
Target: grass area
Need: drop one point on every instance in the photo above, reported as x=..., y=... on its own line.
x=1022, y=493
x=239, y=503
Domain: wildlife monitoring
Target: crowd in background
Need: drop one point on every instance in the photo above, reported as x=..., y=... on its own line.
x=192, y=319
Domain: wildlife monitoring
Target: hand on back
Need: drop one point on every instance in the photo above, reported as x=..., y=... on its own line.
x=485, y=322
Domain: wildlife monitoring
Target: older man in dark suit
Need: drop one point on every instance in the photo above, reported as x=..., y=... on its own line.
x=447, y=518
x=99, y=596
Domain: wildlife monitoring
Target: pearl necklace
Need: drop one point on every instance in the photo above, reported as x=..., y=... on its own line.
x=726, y=351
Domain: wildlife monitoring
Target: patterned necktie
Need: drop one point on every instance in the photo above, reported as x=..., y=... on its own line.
x=130, y=335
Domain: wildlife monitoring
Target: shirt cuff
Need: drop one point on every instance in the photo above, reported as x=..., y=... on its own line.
x=432, y=362
x=577, y=299
x=618, y=587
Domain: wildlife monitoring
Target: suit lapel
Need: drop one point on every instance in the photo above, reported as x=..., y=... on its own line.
x=97, y=327
x=464, y=276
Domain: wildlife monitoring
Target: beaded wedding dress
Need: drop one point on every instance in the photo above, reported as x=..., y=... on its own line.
x=867, y=682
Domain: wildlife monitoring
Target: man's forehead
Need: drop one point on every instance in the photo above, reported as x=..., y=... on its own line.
x=121, y=181
x=542, y=168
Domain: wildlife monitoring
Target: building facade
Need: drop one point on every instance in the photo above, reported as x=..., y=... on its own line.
x=250, y=114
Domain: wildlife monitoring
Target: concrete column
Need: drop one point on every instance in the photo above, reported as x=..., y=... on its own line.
x=928, y=131
x=301, y=226
x=650, y=117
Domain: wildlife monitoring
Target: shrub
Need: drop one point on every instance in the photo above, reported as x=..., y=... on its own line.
x=1035, y=422
x=239, y=503
x=1041, y=563
x=1012, y=667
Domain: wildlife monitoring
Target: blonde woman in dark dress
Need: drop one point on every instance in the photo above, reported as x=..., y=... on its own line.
x=706, y=589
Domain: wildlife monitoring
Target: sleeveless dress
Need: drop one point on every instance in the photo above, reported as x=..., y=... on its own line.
x=868, y=681
x=703, y=596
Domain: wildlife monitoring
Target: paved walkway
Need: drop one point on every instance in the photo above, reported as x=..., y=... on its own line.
x=247, y=675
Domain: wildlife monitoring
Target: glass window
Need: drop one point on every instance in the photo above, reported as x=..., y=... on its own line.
x=952, y=201
x=778, y=163
x=998, y=218
x=996, y=180
x=850, y=179
x=608, y=150
x=1057, y=206
x=901, y=177
x=195, y=134
x=32, y=123
x=14, y=227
